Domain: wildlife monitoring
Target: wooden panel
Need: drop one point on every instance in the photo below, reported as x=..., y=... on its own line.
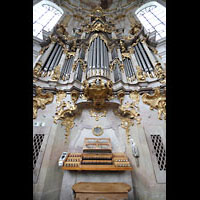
x=94, y=187
x=98, y=168
x=84, y=196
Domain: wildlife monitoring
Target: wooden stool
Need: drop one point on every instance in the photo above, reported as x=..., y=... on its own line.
x=101, y=191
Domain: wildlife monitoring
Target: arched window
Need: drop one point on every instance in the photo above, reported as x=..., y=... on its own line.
x=153, y=17
x=45, y=15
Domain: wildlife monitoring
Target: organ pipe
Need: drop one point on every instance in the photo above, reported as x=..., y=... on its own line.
x=98, y=55
x=141, y=59
x=49, y=60
x=148, y=65
x=54, y=59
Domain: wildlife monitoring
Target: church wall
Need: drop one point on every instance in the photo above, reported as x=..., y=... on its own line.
x=143, y=177
x=54, y=183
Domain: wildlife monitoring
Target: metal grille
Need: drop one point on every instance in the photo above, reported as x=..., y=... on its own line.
x=159, y=151
x=37, y=143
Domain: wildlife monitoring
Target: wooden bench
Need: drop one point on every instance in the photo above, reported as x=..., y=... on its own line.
x=101, y=191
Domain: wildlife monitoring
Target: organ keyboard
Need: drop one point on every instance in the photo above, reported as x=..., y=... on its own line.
x=97, y=155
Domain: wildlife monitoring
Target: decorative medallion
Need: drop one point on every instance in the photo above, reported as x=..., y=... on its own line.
x=97, y=131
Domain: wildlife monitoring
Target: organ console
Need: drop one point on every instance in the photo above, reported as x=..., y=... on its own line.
x=97, y=156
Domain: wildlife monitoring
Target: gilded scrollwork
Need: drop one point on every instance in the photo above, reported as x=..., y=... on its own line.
x=122, y=46
x=159, y=72
x=126, y=123
x=74, y=96
x=60, y=95
x=68, y=122
x=135, y=96
x=113, y=63
x=120, y=96
x=98, y=91
x=130, y=110
x=40, y=100
x=67, y=109
x=98, y=113
x=141, y=76
x=56, y=73
x=66, y=113
x=37, y=69
x=156, y=101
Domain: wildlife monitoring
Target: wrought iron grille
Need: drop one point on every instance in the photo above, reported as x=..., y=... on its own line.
x=37, y=143
x=159, y=151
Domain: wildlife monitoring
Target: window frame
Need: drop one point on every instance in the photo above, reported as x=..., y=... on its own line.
x=151, y=20
x=56, y=10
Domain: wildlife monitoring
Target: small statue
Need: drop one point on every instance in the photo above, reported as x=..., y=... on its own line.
x=135, y=29
x=140, y=74
x=56, y=73
x=159, y=72
x=37, y=69
x=135, y=152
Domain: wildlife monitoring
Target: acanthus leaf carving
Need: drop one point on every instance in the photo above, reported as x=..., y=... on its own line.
x=156, y=101
x=40, y=100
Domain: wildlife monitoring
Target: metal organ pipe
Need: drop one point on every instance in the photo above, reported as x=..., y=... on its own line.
x=94, y=54
x=49, y=60
x=148, y=66
x=70, y=64
x=59, y=57
x=90, y=55
x=103, y=55
x=101, y=44
x=65, y=67
x=141, y=59
x=54, y=59
x=149, y=61
x=125, y=67
x=130, y=68
x=98, y=54
x=137, y=57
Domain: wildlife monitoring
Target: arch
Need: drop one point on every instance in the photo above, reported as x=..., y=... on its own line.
x=45, y=16
x=152, y=15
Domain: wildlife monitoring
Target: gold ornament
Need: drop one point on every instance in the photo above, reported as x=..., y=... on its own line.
x=156, y=101
x=74, y=95
x=40, y=100
x=135, y=96
x=37, y=69
x=97, y=113
x=68, y=122
x=97, y=91
x=129, y=110
x=56, y=73
x=60, y=96
x=140, y=74
x=159, y=72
